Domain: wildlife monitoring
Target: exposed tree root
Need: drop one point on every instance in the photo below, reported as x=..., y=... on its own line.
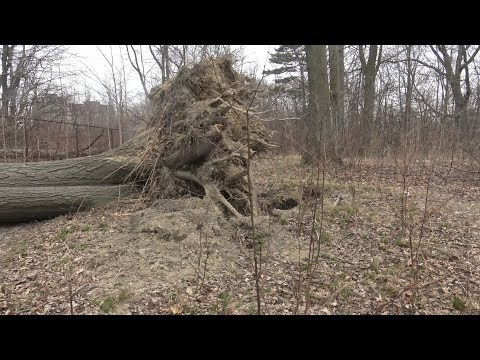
x=198, y=135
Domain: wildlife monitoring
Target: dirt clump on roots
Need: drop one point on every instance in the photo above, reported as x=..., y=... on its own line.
x=197, y=137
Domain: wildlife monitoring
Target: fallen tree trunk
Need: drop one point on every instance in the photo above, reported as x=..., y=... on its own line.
x=90, y=170
x=44, y=202
x=43, y=190
x=110, y=168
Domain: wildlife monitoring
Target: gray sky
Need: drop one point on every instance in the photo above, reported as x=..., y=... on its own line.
x=90, y=59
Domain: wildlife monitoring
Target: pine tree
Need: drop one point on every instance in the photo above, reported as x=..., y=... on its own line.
x=291, y=72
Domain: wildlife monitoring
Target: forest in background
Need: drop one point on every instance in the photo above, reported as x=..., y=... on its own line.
x=363, y=99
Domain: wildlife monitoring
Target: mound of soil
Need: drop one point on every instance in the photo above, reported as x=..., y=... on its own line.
x=198, y=137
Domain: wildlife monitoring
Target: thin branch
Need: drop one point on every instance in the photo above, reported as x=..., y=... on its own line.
x=437, y=70
x=438, y=56
x=136, y=66
x=470, y=59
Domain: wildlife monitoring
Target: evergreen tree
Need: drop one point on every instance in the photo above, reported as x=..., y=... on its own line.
x=291, y=72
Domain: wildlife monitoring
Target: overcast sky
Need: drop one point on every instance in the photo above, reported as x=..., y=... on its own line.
x=88, y=58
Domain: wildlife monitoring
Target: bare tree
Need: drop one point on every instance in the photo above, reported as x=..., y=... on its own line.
x=26, y=71
x=317, y=128
x=163, y=61
x=115, y=88
x=337, y=87
x=137, y=62
x=369, y=68
x=455, y=69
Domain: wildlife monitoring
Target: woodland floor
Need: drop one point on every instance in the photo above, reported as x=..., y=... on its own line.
x=126, y=259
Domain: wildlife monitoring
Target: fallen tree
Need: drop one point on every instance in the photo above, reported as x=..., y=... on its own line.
x=43, y=190
x=194, y=145
x=43, y=202
x=91, y=170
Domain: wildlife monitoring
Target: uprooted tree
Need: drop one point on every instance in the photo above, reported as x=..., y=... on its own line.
x=195, y=144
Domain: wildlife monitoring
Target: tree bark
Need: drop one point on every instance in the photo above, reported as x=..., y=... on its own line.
x=341, y=89
x=370, y=68
x=336, y=63
x=36, y=191
x=318, y=129
x=409, y=89
x=90, y=170
x=18, y=204
x=43, y=190
x=166, y=62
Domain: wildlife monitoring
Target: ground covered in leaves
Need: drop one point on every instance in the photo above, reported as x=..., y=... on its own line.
x=184, y=256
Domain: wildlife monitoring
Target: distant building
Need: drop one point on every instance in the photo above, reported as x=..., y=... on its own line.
x=91, y=113
x=62, y=128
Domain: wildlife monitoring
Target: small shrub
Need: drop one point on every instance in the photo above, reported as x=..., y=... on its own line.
x=82, y=246
x=108, y=305
x=446, y=225
x=325, y=238
x=459, y=304
x=62, y=235
x=103, y=225
x=224, y=297
x=346, y=292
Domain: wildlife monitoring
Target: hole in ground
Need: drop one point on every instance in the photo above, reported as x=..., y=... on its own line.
x=285, y=204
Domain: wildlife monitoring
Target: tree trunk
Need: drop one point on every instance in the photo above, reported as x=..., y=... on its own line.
x=334, y=85
x=90, y=170
x=369, y=72
x=409, y=90
x=36, y=191
x=303, y=85
x=368, y=106
x=453, y=74
x=336, y=63
x=43, y=202
x=166, y=61
x=318, y=122
x=341, y=89
x=42, y=190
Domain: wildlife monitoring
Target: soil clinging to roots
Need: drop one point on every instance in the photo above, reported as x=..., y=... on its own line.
x=197, y=137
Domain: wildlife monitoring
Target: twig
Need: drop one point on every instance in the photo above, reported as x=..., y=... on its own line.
x=207, y=253
x=335, y=294
x=286, y=119
x=93, y=142
x=250, y=198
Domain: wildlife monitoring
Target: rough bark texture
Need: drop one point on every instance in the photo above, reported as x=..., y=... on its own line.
x=37, y=191
x=336, y=64
x=409, y=89
x=341, y=89
x=318, y=128
x=369, y=70
x=44, y=202
x=90, y=170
